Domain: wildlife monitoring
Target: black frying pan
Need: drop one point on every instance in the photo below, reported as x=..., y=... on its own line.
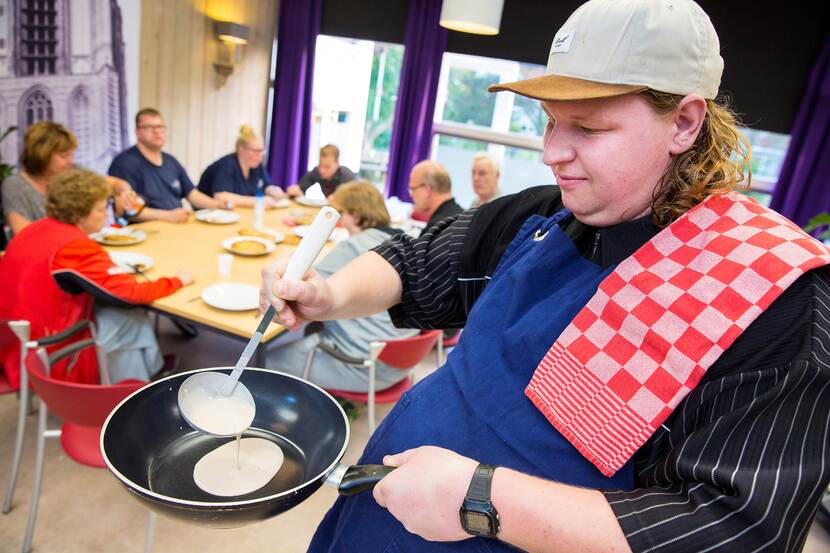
x=151, y=450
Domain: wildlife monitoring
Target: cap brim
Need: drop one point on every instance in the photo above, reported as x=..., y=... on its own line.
x=554, y=88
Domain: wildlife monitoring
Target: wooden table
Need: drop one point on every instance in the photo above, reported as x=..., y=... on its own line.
x=195, y=246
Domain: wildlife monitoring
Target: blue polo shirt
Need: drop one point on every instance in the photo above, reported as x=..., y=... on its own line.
x=225, y=175
x=162, y=186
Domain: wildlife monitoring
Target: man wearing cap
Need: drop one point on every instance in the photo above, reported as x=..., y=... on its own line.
x=643, y=365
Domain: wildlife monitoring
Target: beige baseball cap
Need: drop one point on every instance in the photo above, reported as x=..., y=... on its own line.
x=615, y=47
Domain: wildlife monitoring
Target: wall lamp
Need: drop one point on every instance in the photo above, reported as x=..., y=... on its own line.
x=232, y=36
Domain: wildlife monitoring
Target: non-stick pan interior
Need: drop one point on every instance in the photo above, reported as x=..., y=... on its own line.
x=148, y=442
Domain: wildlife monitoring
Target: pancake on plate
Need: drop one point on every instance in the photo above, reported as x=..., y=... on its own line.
x=249, y=246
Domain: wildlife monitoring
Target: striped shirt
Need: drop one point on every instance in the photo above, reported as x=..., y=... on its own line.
x=743, y=461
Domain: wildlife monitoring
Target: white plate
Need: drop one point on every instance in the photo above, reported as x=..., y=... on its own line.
x=129, y=260
x=282, y=203
x=231, y=296
x=276, y=236
x=217, y=216
x=311, y=202
x=337, y=235
x=228, y=243
x=126, y=236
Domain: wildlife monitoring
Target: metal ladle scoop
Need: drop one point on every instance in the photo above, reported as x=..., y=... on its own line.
x=218, y=404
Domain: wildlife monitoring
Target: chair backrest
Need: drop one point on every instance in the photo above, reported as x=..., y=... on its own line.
x=408, y=352
x=84, y=404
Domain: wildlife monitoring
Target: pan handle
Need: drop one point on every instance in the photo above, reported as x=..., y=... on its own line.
x=353, y=479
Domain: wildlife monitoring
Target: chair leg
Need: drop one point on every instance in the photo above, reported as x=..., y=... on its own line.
x=439, y=351
x=371, y=397
x=33, y=503
x=308, y=360
x=151, y=528
x=22, y=410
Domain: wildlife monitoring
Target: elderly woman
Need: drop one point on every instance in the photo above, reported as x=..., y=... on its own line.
x=643, y=365
x=238, y=177
x=54, y=275
x=365, y=216
x=49, y=150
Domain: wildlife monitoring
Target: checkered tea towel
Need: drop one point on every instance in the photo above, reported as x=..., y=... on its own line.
x=661, y=318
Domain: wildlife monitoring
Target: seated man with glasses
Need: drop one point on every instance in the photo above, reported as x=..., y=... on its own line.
x=431, y=190
x=238, y=177
x=156, y=175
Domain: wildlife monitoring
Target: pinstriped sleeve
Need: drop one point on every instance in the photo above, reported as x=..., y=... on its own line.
x=428, y=267
x=744, y=462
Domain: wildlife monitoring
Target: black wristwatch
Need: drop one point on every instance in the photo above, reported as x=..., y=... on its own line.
x=478, y=516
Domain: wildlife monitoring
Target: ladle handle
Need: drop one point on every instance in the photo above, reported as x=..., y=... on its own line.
x=299, y=264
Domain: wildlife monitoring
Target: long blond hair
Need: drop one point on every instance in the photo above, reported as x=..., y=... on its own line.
x=715, y=164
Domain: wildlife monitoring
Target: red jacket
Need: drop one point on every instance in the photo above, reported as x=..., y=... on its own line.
x=50, y=275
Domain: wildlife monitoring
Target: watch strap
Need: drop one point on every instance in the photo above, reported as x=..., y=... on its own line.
x=479, y=489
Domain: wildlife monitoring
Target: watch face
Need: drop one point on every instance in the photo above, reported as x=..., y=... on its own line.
x=478, y=522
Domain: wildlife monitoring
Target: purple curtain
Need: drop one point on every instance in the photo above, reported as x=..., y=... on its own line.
x=299, y=26
x=424, y=45
x=803, y=189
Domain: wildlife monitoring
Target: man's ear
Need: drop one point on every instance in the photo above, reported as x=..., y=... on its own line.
x=687, y=119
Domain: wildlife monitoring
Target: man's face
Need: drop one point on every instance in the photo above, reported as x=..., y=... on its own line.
x=608, y=156
x=419, y=191
x=327, y=167
x=151, y=132
x=485, y=179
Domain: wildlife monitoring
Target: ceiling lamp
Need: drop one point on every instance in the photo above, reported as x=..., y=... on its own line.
x=481, y=17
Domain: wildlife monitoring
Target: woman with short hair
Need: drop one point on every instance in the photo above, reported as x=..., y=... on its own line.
x=54, y=275
x=48, y=149
x=365, y=216
x=238, y=177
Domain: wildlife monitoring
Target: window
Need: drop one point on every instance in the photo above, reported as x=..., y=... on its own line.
x=38, y=37
x=36, y=107
x=353, y=102
x=470, y=120
x=768, y=152
x=509, y=127
x=79, y=123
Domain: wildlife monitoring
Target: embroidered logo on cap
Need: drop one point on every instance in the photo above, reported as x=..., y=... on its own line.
x=562, y=42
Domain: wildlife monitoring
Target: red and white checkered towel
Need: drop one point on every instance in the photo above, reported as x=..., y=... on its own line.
x=662, y=318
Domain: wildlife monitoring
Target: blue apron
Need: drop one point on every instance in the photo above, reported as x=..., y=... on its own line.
x=475, y=404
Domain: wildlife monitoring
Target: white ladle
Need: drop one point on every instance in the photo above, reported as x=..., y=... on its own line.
x=218, y=404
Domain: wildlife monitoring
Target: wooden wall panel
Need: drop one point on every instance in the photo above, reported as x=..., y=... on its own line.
x=202, y=110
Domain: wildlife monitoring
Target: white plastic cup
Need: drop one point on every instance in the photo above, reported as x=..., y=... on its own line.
x=225, y=264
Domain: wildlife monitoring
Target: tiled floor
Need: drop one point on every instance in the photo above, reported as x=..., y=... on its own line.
x=84, y=509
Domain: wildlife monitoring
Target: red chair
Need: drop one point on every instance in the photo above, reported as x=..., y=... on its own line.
x=401, y=354
x=83, y=408
x=420, y=216
x=20, y=331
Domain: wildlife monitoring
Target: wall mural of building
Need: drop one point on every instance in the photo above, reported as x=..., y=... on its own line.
x=64, y=60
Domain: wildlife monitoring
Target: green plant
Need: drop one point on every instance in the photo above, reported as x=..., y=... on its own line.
x=5, y=168
x=819, y=221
